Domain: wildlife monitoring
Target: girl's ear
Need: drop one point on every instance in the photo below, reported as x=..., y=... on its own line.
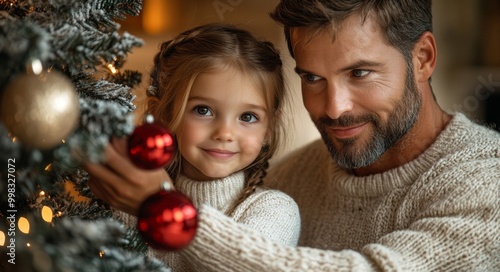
x=152, y=102
x=265, y=141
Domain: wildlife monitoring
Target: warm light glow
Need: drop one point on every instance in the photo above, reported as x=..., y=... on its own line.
x=14, y=139
x=153, y=17
x=112, y=68
x=42, y=193
x=160, y=15
x=48, y=167
x=28, y=244
x=47, y=214
x=24, y=225
x=101, y=254
x=63, y=141
x=2, y=238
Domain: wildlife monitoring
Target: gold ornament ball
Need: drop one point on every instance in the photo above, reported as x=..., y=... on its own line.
x=40, y=110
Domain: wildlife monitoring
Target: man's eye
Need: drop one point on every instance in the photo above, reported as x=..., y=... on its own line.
x=249, y=118
x=202, y=110
x=310, y=78
x=360, y=73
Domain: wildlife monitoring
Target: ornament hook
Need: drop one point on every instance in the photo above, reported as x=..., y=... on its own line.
x=149, y=119
x=166, y=186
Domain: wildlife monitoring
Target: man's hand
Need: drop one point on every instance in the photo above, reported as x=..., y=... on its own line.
x=119, y=182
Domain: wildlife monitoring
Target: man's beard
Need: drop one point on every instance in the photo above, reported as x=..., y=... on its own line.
x=400, y=121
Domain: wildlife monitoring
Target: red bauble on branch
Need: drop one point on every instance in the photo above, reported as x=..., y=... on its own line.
x=151, y=146
x=167, y=220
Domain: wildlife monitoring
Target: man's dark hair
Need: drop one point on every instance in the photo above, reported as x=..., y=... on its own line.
x=402, y=21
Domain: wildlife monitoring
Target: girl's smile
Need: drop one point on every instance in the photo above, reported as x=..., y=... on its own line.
x=224, y=126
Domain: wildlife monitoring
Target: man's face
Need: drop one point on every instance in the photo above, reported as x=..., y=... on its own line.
x=358, y=90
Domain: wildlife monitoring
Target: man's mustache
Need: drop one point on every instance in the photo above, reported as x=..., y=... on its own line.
x=346, y=120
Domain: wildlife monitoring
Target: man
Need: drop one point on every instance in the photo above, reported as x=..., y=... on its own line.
x=410, y=187
x=397, y=184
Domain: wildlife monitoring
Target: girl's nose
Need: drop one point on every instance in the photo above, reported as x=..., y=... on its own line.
x=223, y=132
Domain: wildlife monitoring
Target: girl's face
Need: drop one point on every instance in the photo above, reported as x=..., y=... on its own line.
x=224, y=125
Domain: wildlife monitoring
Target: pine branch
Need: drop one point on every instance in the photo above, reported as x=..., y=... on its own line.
x=128, y=78
x=105, y=90
x=82, y=36
x=21, y=41
x=79, y=38
x=77, y=245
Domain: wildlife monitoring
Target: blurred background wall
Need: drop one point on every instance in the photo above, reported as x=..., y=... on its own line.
x=467, y=77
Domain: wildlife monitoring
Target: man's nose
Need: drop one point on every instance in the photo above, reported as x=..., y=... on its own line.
x=338, y=100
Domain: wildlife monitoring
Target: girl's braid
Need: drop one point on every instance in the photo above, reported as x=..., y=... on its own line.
x=166, y=50
x=254, y=175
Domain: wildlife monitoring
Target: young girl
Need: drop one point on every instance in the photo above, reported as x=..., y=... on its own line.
x=220, y=91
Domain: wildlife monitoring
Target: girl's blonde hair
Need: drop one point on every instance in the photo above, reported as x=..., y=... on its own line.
x=215, y=47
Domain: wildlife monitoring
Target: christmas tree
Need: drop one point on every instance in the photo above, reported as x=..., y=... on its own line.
x=63, y=96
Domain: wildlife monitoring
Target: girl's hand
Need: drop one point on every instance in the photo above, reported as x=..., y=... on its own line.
x=119, y=182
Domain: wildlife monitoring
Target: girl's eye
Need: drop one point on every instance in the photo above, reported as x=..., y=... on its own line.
x=360, y=73
x=249, y=118
x=202, y=110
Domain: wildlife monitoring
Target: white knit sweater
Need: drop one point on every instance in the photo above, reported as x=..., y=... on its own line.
x=271, y=213
x=439, y=212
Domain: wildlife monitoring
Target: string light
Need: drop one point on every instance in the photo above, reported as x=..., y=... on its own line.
x=48, y=167
x=2, y=238
x=112, y=68
x=36, y=66
x=12, y=137
x=101, y=253
x=24, y=225
x=41, y=194
x=47, y=214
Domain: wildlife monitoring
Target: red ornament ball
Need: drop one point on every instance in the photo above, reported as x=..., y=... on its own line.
x=151, y=146
x=167, y=220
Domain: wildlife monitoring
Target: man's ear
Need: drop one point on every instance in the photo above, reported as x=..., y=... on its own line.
x=424, y=57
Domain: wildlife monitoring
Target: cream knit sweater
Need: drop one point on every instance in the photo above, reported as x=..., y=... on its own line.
x=440, y=212
x=271, y=213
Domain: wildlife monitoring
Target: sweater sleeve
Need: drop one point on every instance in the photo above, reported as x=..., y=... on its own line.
x=224, y=245
x=273, y=214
